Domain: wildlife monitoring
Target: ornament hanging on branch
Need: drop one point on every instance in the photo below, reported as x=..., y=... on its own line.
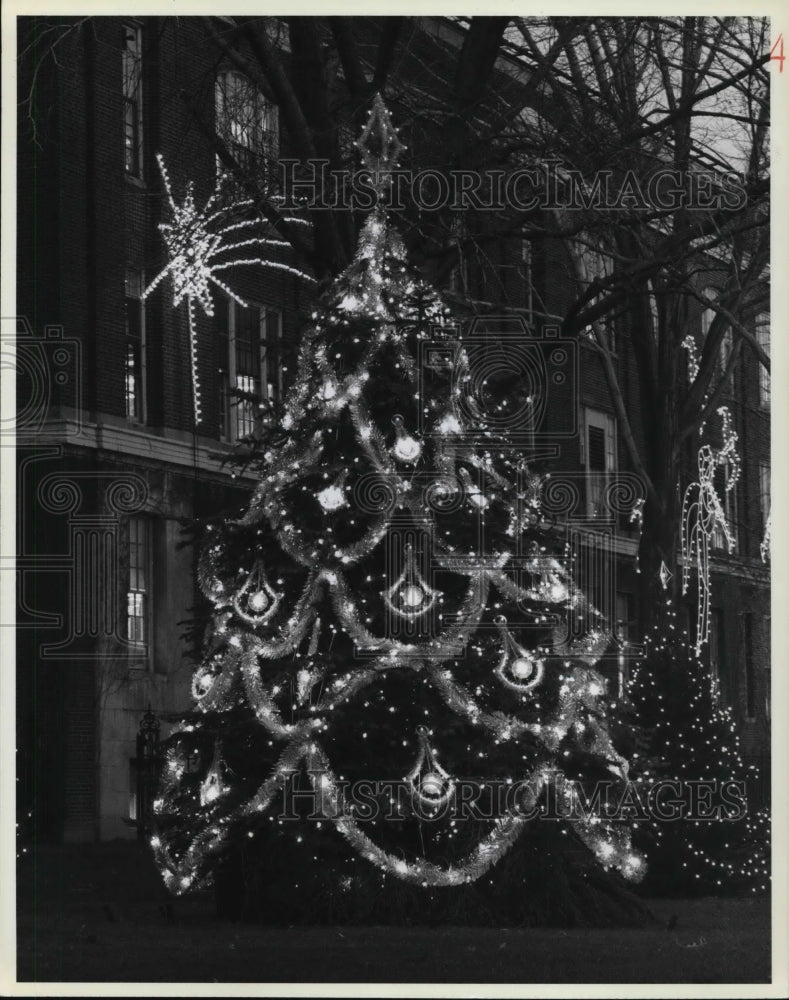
x=517, y=668
x=256, y=602
x=431, y=785
x=406, y=448
x=333, y=497
x=213, y=785
x=410, y=596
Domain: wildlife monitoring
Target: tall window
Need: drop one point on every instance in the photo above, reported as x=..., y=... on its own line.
x=708, y=315
x=248, y=124
x=717, y=653
x=135, y=347
x=750, y=673
x=138, y=596
x=726, y=345
x=597, y=265
x=599, y=458
x=254, y=373
x=764, y=492
x=132, y=99
x=654, y=311
x=763, y=340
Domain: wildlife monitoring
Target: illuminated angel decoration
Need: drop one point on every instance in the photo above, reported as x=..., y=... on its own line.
x=201, y=242
x=701, y=512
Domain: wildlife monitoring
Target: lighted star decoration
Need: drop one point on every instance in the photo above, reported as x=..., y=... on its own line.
x=200, y=243
x=665, y=574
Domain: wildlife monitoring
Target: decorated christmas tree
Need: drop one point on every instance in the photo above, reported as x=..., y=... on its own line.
x=391, y=691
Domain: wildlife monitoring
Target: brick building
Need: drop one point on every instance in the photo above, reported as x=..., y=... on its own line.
x=111, y=460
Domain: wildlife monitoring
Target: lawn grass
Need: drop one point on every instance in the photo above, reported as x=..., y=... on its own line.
x=98, y=913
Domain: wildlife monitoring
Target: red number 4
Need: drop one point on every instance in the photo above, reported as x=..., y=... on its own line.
x=777, y=52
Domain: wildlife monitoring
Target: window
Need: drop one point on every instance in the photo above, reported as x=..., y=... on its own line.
x=133, y=790
x=763, y=340
x=254, y=374
x=728, y=501
x=724, y=353
x=597, y=265
x=135, y=347
x=138, y=597
x=513, y=274
x=717, y=653
x=726, y=345
x=750, y=674
x=708, y=315
x=248, y=124
x=132, y=99
x=598, y=457
x=654, y=311
x=764, y=493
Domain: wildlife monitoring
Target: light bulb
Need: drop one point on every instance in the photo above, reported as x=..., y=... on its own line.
x=406, y=448
x=412, y=596
x=450, y=425
x=332, y=498
x=522, y=668
x=432, y=785
x=258, y=601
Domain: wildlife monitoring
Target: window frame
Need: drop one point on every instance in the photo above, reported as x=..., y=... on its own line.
x=717, y=654
x=141, y=649
x=765, y=491
x=602, y=420
x=135, y=280
x=729, y=503
x=248, y=151
x=597, y=263
x=132, y=94
x=747, y=624
x=267, y=361
x=762, y=334
x=726, y=345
